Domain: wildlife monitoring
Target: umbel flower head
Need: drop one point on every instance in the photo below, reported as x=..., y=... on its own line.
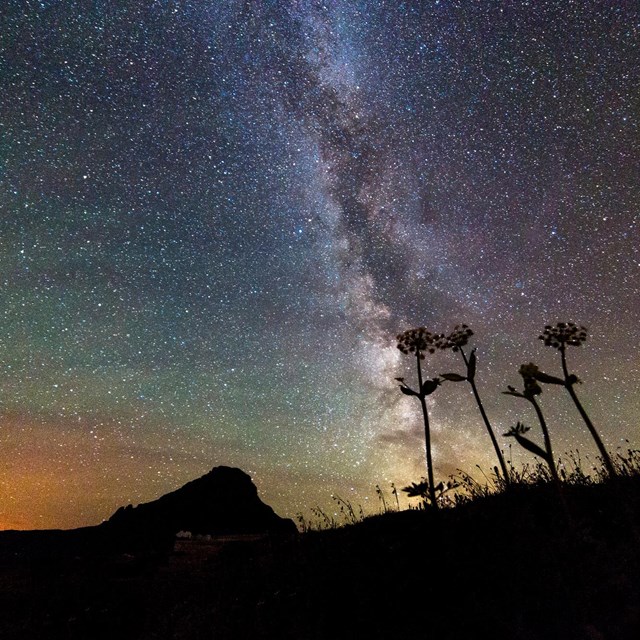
x=459, y=337
x=418, y=341
x=564, y=333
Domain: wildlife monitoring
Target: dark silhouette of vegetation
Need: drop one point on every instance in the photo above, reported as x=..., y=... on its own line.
x=518, y=432
x=417, y=342
x=382, y=499
x=531, y=390
x=568, y=334
x=420, y=341
x=421, y=490
x=544, y=579
x=394, y=493
x=456, y=341
x=347, y=510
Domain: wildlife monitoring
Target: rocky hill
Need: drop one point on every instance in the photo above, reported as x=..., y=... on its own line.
x=223, y=501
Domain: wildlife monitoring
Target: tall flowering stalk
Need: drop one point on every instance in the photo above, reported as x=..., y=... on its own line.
x=456, y=341
x=417, y=342
x=530, y=373
x=568, y=334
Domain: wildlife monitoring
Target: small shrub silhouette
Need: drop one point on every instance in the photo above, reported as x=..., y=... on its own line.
x=417, y=342
x=456, y=341
x=563, y=335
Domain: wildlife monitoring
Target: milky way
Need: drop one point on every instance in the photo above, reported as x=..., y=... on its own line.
x=216, y=216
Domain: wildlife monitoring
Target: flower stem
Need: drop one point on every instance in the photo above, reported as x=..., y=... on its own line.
x=568, y=383
x=427, y=435
x=547, y=440
x=492, y=435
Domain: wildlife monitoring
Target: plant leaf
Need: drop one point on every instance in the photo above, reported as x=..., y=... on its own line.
x=453, y=377
x=407, y=391
x=531, y=446
x=429, y=386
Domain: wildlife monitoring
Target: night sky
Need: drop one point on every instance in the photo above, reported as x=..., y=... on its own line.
x=216, y=215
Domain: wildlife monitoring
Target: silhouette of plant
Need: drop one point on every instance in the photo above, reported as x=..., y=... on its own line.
x=303, y=524
x=347, y=511
x=473, y=488
x=324, y=520
x=629, y=463
x=417, y=490
x=561, y=336
x=417, y=342
x=518, y=433
x=422, y=490
x=456, y=341
x=531, y=390
x=394, y=492
x=381, y=498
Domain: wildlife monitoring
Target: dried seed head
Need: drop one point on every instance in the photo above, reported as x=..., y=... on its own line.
x=418, y=341
x=563, y=334
x=459, y=337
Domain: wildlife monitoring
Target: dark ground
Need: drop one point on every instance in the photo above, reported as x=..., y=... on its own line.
x=523, y=565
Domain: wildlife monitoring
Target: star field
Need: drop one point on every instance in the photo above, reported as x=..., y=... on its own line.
x=216, y=216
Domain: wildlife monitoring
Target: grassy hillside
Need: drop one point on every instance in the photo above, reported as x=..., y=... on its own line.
x=526, y=564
